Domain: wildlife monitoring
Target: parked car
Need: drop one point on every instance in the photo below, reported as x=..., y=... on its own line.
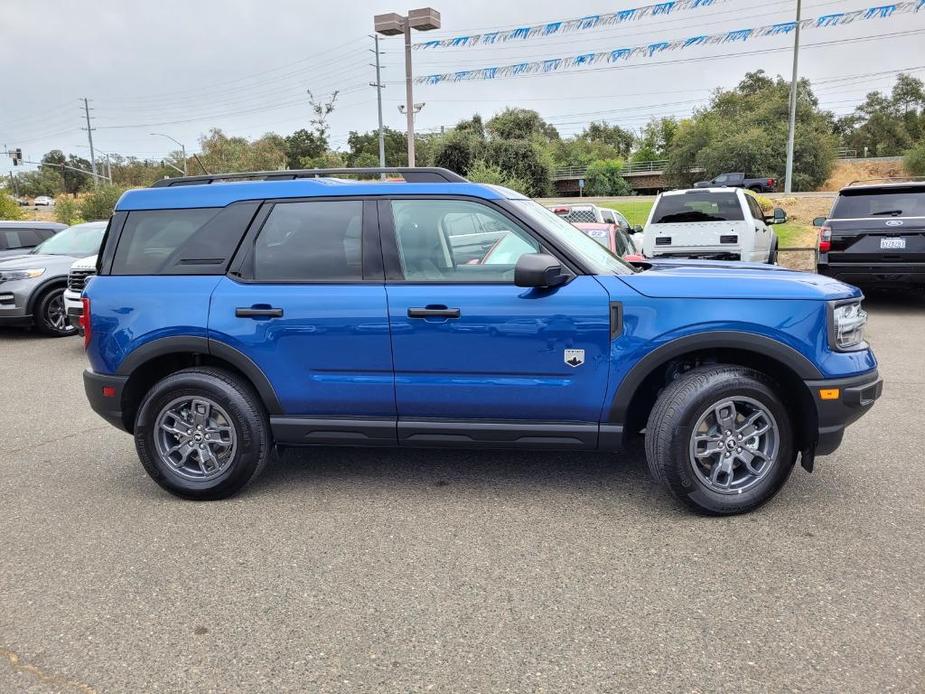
x=32, y=285
x=875, y=235
x=594, y=214
x=712, y=224
x=613, y=238
x=43, y=201
x=77, y=277
x=757, y=184
x=229, y=319
x=17, y=238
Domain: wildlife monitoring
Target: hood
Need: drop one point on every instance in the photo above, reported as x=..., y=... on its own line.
x=88, y=263
x=26, y=262
x=718, y=279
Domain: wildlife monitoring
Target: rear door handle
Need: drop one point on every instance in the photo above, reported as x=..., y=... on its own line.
x=433, y=312
x=253, y=312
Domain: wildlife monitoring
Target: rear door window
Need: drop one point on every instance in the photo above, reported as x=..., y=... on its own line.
x=698, y=207
x=908, y=202
x=312, y=241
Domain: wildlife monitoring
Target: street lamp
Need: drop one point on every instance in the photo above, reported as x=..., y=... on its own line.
x=182, y=150
x=393, y=24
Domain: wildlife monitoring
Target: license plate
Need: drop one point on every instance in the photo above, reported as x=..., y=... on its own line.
x=892, y=243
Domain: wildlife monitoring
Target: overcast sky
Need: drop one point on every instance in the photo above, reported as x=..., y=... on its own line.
x=182, y=66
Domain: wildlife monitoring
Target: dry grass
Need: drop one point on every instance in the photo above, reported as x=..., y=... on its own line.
x=846, y=171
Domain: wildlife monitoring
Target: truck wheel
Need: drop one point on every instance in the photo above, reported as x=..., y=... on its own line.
x=720, y=440
x=50, y=315
x=202, y=433
x=756, y=189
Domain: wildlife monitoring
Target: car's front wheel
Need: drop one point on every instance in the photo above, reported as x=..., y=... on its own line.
x=720, y=439
x=51, y=315
x=202, y=433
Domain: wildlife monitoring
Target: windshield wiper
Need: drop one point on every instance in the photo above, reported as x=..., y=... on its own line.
x=894, y=213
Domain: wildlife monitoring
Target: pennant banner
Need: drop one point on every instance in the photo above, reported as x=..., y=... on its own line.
x=567, y=26
x=652, y=49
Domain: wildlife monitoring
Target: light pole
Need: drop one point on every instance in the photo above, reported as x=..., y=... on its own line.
x=182, y=150
x=393, y=24
x=791, y=132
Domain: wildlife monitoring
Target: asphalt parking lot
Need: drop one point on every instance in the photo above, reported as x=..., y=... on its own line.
x=359, y=570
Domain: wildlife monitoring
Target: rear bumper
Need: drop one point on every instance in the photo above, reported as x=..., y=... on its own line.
x=873, y=274
x=856, y=395
x=75, y=308
x=104, y=392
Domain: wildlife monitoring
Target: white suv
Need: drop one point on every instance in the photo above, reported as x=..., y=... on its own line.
x=711, y=223
x=81, y=271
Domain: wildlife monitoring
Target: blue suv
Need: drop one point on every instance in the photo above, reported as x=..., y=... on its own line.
x=235, y=313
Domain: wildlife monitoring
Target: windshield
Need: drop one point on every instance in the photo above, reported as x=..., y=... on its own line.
x=909, y=202
x=80, y=240
x=599, y=259
x=698, y=207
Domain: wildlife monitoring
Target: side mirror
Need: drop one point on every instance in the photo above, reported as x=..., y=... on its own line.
x=819, y=221
x=777, y=217
x=538, y=270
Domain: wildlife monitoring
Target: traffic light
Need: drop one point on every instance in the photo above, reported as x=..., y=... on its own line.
x=16, y=155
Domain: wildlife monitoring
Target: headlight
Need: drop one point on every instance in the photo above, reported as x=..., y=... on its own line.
x=10, y=275
x=847, y=325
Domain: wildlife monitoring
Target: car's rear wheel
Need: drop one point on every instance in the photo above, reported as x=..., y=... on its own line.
x=202, y=433
x=720, y=439
x=51, y=315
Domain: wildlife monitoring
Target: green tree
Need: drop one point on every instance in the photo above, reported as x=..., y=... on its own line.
x=302, y=145
x=362, y=146
x=459, y=149
x=656, y=139
x=482, y=172
x=886, y=125
x=223, y=154
x=9, y=209
x=99, y=203
x=620, y=140
x=745, y=129
x=43, y=181
x=520, y=124
x=73, y=181
x=604, y=177
x=522, y=159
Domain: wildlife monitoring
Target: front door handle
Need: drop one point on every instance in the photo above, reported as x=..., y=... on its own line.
x=258, y=312
x=433, y=312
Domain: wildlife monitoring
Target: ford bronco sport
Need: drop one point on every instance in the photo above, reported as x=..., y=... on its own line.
x=229, y=316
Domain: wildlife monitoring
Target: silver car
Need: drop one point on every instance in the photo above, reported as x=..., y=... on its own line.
x=18, y=238
x=32, y=285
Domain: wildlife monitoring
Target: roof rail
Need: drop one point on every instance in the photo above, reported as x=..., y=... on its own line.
x=889, y=179
x=417, y=174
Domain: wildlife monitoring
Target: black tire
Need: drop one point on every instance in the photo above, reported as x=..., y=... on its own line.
x=756, y=189
x=245, y=413
x=671, y=427
x=772, y=254
x=49, y=313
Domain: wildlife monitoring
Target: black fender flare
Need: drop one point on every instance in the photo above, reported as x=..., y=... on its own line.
x=750, y=342
x=188, y=344
x=57, y=280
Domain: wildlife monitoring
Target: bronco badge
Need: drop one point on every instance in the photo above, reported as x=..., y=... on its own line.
x=574, y=357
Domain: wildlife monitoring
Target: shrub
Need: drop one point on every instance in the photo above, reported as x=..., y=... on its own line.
x=604, y=177
x=765, y=203
x=67, y=210
x=100, y=203
x=914, y=160
x=483, y=172
x=8, y=207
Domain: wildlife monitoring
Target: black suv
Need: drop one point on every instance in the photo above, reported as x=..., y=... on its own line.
x=875, y=235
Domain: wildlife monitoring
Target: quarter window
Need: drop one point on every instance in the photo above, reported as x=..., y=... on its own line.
x=151, y=239
x=457, y=241
x=317, y=241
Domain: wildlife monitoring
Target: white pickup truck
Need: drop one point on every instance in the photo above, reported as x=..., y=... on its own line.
x=711, y=223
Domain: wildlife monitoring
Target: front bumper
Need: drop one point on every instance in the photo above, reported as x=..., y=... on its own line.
x=74, y=308
x=855, y=396
x=105, y=395
x=875, y=274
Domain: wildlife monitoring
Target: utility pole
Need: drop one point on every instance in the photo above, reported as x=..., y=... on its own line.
x=791, y=133
x=90, y=138
x=379, y=87
x=392, y=24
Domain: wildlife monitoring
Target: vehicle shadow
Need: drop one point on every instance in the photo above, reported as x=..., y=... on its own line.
x=622, y=475
x=895, y=301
